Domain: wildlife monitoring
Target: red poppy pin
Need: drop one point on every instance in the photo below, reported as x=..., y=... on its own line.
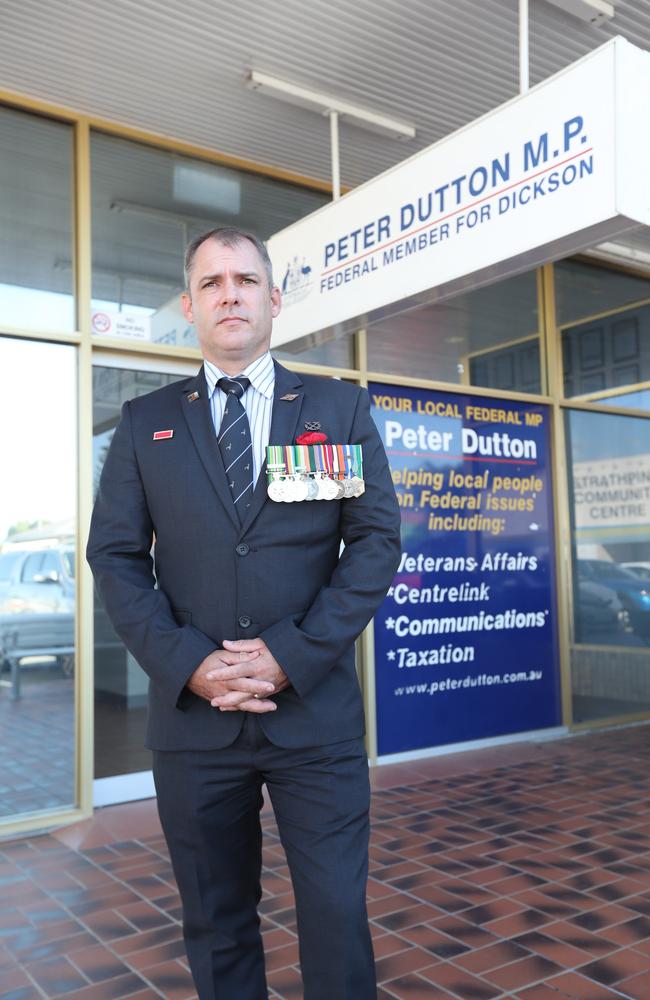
x=311, y=437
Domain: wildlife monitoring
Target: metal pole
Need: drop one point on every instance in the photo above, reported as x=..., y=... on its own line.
x=524, y=71
x=334, y=145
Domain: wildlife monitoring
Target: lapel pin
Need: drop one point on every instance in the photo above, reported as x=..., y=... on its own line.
x=162, y=435
x=312, y=425
x=192, y=396
x=289, y=396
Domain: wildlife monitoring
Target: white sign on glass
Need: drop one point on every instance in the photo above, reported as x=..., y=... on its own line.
x=136, y=326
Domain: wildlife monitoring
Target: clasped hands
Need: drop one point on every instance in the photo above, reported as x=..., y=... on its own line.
x=241, y=677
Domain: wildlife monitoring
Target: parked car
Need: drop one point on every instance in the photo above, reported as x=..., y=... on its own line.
x=640, y=569
x=37, y=606
x=600, y=617
x=631, y=590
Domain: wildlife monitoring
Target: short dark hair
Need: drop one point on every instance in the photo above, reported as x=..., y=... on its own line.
x=229, y=237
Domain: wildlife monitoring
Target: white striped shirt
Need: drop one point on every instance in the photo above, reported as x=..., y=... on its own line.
x=257, y=401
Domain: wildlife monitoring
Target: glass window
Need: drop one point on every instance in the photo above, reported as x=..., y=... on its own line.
x=36, y=277
x=583, y=290
x=147, y=204
x=639, y=400
x=338, y=353
x=120, y=684
x=604, y=344
x=488, y=337
x=51, y=565
x=31, y=566
x=607, y=352
x=67, y=558
x=37, y=598
x=7, y=562
x=609, y=479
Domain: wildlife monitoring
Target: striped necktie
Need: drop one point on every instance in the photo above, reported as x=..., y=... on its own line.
x=235, y=443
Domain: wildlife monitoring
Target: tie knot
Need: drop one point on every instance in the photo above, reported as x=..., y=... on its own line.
x=234, y=386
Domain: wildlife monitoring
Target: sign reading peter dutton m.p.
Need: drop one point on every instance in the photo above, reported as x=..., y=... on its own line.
x=549, y=173
x=465, y=642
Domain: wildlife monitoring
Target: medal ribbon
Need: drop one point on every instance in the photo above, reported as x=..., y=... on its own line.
x=338, y=461
x=275, y=464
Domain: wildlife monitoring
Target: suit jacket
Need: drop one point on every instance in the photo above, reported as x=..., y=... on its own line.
x=281, y=575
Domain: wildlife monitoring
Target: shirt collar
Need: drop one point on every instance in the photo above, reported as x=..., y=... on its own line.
x=260, y=372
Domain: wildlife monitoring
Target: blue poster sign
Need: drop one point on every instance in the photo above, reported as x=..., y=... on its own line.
x=466, y=640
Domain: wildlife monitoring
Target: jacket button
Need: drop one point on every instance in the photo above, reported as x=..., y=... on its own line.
x=242, y=549
x=245, y=621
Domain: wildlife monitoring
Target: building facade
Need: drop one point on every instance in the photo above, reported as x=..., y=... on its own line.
x=96, y=216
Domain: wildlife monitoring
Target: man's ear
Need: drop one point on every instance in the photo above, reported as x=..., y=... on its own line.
x=186, y=304
x=276, y=302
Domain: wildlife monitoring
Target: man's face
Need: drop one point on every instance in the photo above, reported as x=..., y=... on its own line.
x=230, y=304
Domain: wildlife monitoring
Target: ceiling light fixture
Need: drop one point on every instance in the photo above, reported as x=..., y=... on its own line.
x=207, y=188
x=333, y=107
x=186, y=222
x=596, y=12
x=159, y=214
x=65, y=267
x=313, y=100
x=619, y=253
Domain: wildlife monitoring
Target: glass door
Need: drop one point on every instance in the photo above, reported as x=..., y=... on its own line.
x=122, y=764
x=38, y=518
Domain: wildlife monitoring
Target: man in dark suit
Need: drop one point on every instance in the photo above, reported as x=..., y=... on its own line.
x=245, y=620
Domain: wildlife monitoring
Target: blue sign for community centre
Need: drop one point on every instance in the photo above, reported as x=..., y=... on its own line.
x=466, y=640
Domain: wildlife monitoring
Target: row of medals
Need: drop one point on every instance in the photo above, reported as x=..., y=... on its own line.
x=313, y=486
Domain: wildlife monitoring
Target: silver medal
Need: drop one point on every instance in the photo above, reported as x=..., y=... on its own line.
x=326, y=488
x=298, y=490
x=308, y=479
x=276, y=487
x=276, y=490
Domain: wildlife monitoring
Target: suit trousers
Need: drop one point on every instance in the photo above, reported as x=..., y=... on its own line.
x=209, y=804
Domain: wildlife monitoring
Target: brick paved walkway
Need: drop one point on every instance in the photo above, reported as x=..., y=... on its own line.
x=518, y=872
